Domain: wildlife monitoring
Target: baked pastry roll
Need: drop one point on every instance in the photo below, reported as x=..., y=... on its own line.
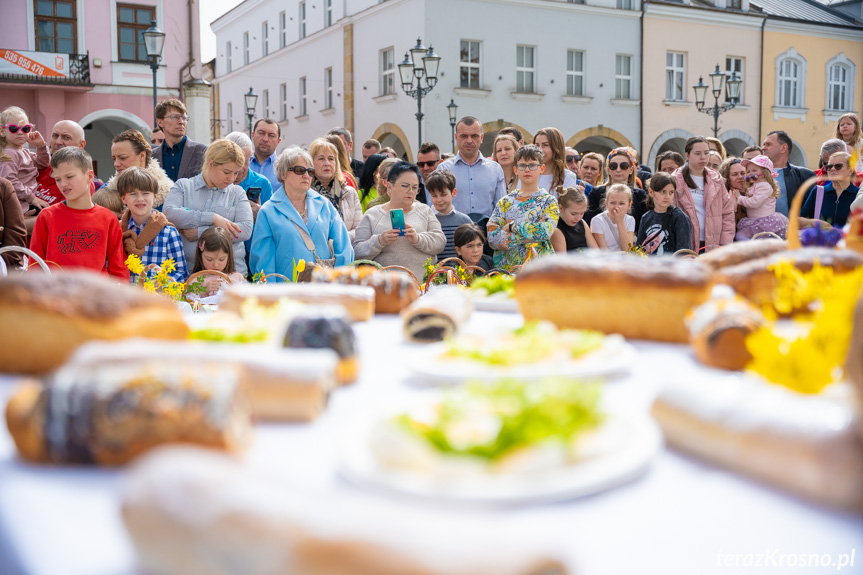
x=394, y=290
x=191, y=511
x=280, y=384
x=107, y=415
x=53, y=314
x=326, y=327
x=640, y=298
x=740, y=252
x=719, y=328
x=436, y=315
x=359, y=301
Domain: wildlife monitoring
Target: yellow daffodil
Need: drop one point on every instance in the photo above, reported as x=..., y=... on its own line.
x=133, y=262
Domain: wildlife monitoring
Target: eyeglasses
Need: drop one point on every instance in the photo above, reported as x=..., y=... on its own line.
x=752, y=178
x=178, y=118
x=572, y=159
x=827, y=167
x=528, y=167
x=430, y=164
x=621, y=165
x=25, y=129
x=301, y=171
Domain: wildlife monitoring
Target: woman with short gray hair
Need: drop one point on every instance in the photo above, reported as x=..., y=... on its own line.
x=298, y=223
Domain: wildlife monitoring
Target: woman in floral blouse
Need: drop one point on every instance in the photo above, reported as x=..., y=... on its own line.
x=527, y=216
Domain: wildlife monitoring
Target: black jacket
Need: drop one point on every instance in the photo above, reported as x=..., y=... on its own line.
x=595, y=204
x=794, y=176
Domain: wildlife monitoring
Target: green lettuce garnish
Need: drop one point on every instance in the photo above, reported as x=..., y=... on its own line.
x=225, y=336
x=509, y=415
x=495, y=284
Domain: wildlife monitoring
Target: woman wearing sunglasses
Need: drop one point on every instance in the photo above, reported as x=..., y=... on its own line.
x=701, y=194
x=212, y=199
x=834, y=198
x=621, y=169
x=298, y=223
x=19, y=165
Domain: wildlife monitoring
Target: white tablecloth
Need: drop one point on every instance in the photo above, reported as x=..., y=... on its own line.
x=681, y=517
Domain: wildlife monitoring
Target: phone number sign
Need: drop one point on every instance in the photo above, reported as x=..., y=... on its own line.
x=41, y=64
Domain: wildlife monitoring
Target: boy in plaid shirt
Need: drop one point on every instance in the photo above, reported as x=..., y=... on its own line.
x=147, y=233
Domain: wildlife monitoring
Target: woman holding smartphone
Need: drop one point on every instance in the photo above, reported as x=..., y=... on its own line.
x=380, y=235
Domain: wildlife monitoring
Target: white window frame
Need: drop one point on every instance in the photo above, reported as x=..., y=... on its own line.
x=265, y=99
x=265, y=38
x=573, y=73
x=245, y=48
x=228, y=65
x=621, y=79
x=304, y=109
x=675, y=76
x=283, y=29
x=328, y=88
x=525, y=76
x=470, y=66
x=301, y=9
x=850, y=78
x=328, y=13
x=736, y=64
x=791, y=56
x=387, y=74
x=624, y=5
x=283, y=102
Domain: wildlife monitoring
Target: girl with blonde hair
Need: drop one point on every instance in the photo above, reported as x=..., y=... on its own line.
x=330, y=183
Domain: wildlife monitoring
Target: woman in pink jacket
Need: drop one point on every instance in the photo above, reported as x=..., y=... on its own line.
x=702, y=195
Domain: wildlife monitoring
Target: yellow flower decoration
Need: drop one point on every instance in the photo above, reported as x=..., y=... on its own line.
x=133, y=262
x=808, y=362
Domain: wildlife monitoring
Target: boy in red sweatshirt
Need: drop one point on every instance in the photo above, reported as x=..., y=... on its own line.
x=76, y=233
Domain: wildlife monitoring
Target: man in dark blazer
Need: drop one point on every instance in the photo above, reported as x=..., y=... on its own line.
x=179, y=156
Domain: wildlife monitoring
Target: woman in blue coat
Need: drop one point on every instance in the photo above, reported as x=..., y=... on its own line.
x=297, y=223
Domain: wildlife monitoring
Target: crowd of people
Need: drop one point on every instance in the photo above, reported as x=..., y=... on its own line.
x=239, y=207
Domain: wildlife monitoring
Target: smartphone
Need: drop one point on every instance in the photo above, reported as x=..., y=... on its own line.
x=254, y=194
x=397, y=217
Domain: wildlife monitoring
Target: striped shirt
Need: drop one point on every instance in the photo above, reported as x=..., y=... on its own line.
x=448, y=224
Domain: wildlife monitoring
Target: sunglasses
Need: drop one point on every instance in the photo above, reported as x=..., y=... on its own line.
x=827, y=167
x=572, y=158
x=25, y=129
x=301, y=171
x=752, y=178
x=430, y=164
x=621, y=165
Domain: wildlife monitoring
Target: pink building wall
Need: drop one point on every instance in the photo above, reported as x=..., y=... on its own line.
x=121, y=93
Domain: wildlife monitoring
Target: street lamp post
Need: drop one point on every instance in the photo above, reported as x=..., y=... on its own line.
x=251, y=104
x=154, y=43
x=420, y=63
x=732, y=95
x=452, y=108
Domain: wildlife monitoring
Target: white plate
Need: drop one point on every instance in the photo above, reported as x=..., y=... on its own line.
x=639, y=441
x=614, y=357
x=497, y=304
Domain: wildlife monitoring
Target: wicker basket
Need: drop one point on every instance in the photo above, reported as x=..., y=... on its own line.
x=201, y=273
x=29, y=253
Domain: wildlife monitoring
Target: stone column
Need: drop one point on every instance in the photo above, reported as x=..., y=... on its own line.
x=196, y=94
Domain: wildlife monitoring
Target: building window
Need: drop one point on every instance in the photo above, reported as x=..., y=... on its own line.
x=840, y=84
x=624, y=4
x=469, y=64
x=675, y=76
x=56, y=26
x=790, y=80
x=574, y=73
x=230, y=117
x=387, y=62
x=283, y=30
x=132, y=21
x=283, y=102
x=265, y=99
x=525, y=69
x=265, y=38
x=328, y=12
x=228, y=57
x=623, y=77
x=302, y=10
x=733, y=65
x=303, y=109
x=245, y=48
x=328, y=88
x=735, y=4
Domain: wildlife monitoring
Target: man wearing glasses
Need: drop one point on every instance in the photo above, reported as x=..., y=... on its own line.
x=179, y=156
x=479, y=180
